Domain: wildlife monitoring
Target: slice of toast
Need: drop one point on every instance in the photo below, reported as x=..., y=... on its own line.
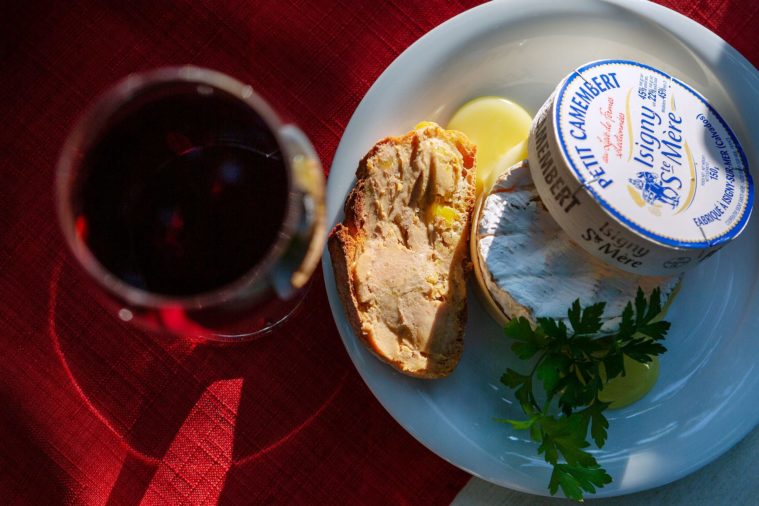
x=400, y=257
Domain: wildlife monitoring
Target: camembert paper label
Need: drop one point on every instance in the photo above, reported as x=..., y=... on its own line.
x=642, y=159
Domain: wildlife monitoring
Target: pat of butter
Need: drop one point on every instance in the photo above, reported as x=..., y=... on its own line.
x=499, y=128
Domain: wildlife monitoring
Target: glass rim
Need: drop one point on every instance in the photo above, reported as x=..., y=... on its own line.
x=83, y=135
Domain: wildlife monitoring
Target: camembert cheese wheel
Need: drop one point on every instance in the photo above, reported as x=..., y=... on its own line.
x=638, y=168
x=528, y=266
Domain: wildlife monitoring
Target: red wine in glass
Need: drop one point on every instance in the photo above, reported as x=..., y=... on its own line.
x=191, y=204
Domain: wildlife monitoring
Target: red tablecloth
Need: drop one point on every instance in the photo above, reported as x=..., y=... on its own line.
x=93, y=411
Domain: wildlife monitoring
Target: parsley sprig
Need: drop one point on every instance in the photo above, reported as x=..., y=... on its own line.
x=573, y=367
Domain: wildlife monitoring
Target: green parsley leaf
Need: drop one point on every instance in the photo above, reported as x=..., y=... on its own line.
x=519, y=329
x=573, y=480
x=614, y=365
x=654, y=305
x=553, y=329
x=643, y=350
x=522, y=385
x=519, y=424
x=528, y=342
x=591, y=319
x=549, y=370
x=513, y=379
x=640, y=307
x=573, y=315
x=598, y=422
x=572, y=368
x=656, y=330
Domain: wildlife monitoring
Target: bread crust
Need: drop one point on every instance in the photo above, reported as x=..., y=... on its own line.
x=348, y=238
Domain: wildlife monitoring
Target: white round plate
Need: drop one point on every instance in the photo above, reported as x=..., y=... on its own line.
x=706, y=398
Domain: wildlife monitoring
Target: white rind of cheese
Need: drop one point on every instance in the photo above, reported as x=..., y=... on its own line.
x=531, y=268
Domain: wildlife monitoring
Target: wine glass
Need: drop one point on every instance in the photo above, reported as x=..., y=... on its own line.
x=192, y=206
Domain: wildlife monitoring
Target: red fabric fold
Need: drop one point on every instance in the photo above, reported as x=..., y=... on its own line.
x=97, y=412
